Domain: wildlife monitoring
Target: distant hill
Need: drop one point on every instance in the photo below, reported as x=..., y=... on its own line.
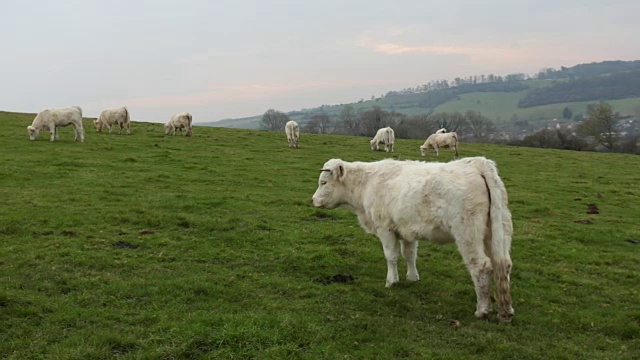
x=539, y=97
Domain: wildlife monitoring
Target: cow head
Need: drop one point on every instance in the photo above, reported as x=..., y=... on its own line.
x=33, y=132
x=423, y=150
x=331, y=191
x=167, y=128
x=98, y=124
x=373, y=143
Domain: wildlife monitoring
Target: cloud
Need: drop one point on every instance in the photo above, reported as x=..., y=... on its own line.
x=515, y=52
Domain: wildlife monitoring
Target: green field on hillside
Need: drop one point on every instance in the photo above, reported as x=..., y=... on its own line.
x=150, y=246
x=499, y=106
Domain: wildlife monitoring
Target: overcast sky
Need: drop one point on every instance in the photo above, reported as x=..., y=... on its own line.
x=229, y=59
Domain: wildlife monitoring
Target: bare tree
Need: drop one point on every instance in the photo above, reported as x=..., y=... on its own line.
x=312, y=127
x=325, y=123
x=320, y=124
x=479, y=125
x=456, y=123
x=600, y=124
x=372, y=120
x=416, y=127
x=274, y=120
x=451, y=121
x=349, y=120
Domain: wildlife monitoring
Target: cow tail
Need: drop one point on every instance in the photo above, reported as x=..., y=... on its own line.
x=127, y=119
x=455, y=138
x=501, y=231
x=387, y=139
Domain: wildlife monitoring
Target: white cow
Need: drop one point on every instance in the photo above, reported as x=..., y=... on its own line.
x=293, y=133
x=385, y=136
x=111, y=117
x=441, y=131
x=179, y=121
x=401, y=202
x=442, y=140
x=52, y=119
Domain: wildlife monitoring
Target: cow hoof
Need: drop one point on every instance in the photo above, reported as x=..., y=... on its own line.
x=482, y=314
x=415, y=277
x=505, y=319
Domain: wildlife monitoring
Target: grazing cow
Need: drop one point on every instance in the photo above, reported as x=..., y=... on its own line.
x=293, y=133
x=52, y=119
x=385, y=136
x=437, y=141
x=441, y=131
x=401, y=202
x=179, y=121
x=111, y=117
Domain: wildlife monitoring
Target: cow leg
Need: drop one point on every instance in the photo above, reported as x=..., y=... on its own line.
x=437, y=151
x=409, y=253
x=471, y=246
x=52, y=129
x=390, y=247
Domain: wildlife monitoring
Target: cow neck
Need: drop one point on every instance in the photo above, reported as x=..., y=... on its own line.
x=355, y=180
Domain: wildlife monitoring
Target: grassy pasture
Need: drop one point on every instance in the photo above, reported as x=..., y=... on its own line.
x=158, y=247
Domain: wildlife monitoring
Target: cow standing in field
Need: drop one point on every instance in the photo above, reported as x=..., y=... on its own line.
x=179, y=121
x=111, y=117
x=52, y=119
x=386, y=136
x=441, y=140
x=401, y=202
x=293, y=133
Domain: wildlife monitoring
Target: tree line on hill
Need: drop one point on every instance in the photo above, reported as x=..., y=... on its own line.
x=588, y=70
x=599, y=130
x=606, y=80
x=607, y=87
x=463, y=85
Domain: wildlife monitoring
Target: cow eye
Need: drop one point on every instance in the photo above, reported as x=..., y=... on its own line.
x=323, y=182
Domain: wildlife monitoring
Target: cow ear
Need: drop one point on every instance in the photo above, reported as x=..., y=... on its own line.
x=340, y=172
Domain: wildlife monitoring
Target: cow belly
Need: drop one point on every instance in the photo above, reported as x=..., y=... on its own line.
x=429, y=233
x=439, y=237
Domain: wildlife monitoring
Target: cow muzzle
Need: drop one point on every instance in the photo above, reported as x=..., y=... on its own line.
x=316, y=202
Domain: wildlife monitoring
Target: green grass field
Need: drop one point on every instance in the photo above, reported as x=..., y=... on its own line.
x=158, y=247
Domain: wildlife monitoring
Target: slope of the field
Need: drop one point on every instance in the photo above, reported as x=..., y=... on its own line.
x=159, y=247
x=499, y=106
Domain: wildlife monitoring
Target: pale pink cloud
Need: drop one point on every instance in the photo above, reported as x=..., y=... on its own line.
x=525, y=52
